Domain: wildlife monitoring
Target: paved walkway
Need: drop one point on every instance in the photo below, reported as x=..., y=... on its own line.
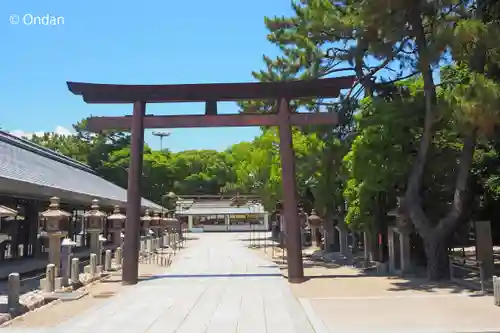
x=215, y=285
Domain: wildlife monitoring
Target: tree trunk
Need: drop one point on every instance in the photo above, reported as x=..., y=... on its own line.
x=436, y=251
x=411, y=204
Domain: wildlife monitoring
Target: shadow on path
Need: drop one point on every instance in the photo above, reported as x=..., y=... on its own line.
x=199, y=276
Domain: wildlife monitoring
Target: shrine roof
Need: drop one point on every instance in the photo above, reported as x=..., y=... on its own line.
x=31, y=171
x=120, y=93
x=218, y=207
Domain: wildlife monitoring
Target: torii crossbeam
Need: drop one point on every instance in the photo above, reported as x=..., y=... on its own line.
x=139, y=95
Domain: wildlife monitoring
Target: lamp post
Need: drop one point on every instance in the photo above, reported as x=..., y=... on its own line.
x=54, y=224
x=94, y=223
x=315, y=221
x=162, y=135
x=116, y=224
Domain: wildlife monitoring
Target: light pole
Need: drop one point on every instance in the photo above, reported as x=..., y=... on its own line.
x=161, y=135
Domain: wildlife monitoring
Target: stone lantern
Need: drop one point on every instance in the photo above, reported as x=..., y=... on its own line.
x=94, y=224
x=315, y=222
x=146, y=222
x=304, y=226
x=116, y=224
x=158, y=224
x=172, y=225
x=54, y=223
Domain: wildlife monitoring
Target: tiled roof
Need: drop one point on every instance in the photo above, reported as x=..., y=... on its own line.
x=27, y=169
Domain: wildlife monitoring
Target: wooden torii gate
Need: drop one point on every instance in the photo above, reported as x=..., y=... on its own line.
x=139, y=95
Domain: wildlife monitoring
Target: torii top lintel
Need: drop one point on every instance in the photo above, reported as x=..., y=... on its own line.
x=210, y=94
x=173, y=93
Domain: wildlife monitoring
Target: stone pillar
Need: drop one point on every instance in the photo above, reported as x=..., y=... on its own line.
x=55, y=252
x=328, y=236
x=95, y=246
x=405, y=248
x=484, y=248
x=367, y=246
x=266, y=221
x=392, y=253
x=65, y=265
x=190, y=222
x=75, y=271
x=13, y=292
x=50, y=278
x=93, y=264
x=107, y=261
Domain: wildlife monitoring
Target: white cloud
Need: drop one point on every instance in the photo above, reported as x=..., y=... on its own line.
x=58, y=130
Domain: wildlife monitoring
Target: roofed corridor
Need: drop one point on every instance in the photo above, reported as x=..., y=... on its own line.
x=214, y=285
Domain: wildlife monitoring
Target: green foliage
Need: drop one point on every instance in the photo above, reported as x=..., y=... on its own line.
x=380, y=156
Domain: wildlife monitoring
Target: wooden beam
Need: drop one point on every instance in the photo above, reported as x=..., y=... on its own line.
x=97, y=124
x=119, y=93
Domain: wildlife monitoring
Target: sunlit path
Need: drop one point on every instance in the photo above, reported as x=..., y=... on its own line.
x=215, y=285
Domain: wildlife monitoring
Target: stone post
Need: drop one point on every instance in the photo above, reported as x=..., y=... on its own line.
x=484, y=248
x=75, y=271
x=392, y=251
x=366, y=247
x=405, y=248
x=50, y=278
x=65, y=264
x=107, y=260
x=14, y=290
x=190, y=222
x=329, y=235
x=93, y=264
x=149, y=244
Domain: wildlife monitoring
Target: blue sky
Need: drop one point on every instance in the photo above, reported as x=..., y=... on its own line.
x=129, y=42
